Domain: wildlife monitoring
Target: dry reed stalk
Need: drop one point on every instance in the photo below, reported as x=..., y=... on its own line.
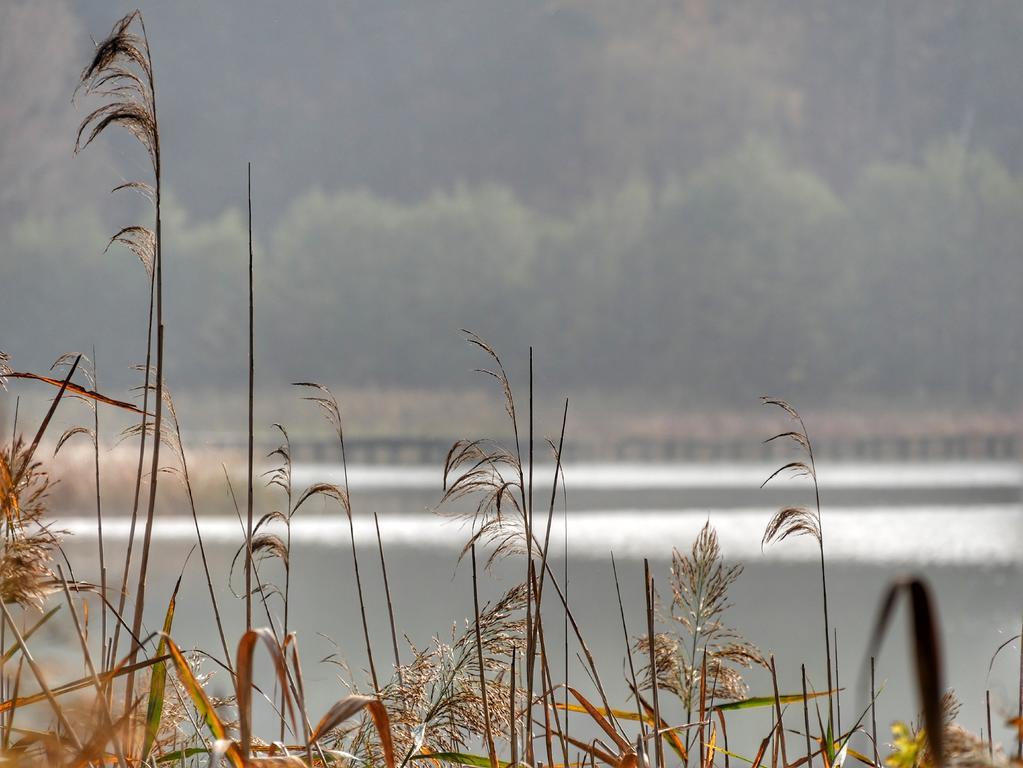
x=531, y=611
x=121, y=71
x=186, y=478
x=873, y=713
x=390, y=605
x=806, y=721
x=1019, y=714
x=628, y=649
x=648, y=581
x=328, y=404
x=512, y=714
x=488, y=733
x=546, y=684
x=550, y=510
x=838, y=690
x=130, y=548
x=777, y=712
x=798, y=521
x=99, y=513
x=252, y=369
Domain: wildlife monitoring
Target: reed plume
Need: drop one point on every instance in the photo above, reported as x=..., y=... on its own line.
x=800, y=521
x=121, y=75
x=706, y=654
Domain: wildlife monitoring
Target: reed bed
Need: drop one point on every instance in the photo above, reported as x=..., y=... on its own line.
x=489, y=696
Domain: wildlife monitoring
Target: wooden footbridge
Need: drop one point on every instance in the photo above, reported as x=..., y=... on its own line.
x=393, y=450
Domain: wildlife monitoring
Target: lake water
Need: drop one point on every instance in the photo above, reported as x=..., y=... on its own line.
x=960, y=526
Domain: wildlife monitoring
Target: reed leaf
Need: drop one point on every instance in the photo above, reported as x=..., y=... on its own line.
x=202, y=704
x=158, y=680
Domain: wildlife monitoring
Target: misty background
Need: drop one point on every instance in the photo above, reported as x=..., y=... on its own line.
x=684, y=204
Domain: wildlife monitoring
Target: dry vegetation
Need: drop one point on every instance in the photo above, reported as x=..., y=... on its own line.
x=486, y=697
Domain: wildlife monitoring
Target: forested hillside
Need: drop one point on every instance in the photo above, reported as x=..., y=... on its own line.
x=706, y=199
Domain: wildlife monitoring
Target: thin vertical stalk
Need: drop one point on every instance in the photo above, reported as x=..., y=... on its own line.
x=628, y=649
x=390, y=605
x=99, y=511
x=140, y=592
x=703, y=709
x=355, y=561
x=531, y=612
x=564, y=731
x=362, y=609
x=806, y=717
x=248, y=522
x=511, y=712
x=649, y=589
x=874, y=717
x=202, y=547
x=990, y=738
x=1019, y=735
x=550, y=512
x=546, y=686
x=824, y=573
x=838, y=695
x=491, y=752
x=122, y=598
x=777, y=712
x=147, y=536
x=330, y=405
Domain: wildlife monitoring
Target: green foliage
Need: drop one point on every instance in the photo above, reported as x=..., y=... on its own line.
x=749, y=274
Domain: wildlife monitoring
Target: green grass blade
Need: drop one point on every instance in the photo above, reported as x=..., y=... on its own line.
x=202, y=703
x=764, y=701
x=158, y=683
x=460, y=758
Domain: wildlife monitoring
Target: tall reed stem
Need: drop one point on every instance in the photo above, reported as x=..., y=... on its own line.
x=154, y=474
x=252, y=369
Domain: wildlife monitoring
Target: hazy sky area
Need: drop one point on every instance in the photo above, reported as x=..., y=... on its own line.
x=697, y=201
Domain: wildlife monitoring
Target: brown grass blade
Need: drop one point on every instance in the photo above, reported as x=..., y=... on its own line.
x=600, y=720
x=244, y=669
x=348, y=707
x=78, y=390
x=203, y=706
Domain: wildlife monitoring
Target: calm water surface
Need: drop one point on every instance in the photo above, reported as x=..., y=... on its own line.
x=879, y=522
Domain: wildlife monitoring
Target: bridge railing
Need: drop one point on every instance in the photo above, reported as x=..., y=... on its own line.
x=433, y=450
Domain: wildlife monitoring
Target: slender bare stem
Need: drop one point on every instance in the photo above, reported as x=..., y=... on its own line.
x=248, y=525
x=390, y=605
x=489, y=735
x=649, y=582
